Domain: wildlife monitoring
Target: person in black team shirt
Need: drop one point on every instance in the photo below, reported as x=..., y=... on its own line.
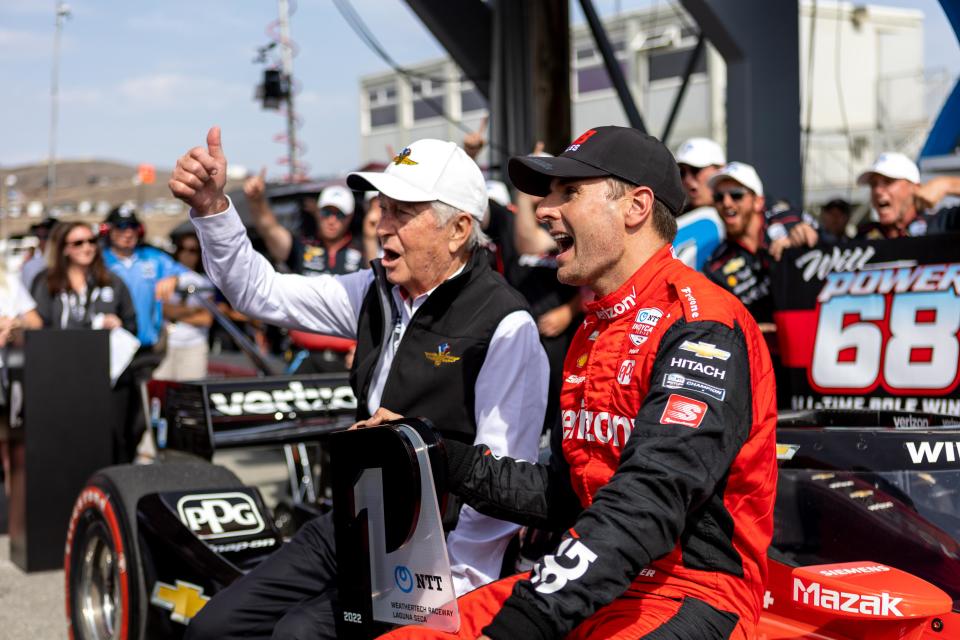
x=331, y=249
x=903, y=206
x=741, y=264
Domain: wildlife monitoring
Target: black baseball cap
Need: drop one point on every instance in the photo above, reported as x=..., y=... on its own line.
x=121, y=214
x=621, y=152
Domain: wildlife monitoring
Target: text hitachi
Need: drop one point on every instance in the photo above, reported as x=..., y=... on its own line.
x=881, y=605
x=699, y=367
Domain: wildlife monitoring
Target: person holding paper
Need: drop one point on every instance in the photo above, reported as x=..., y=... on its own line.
x=77, y=291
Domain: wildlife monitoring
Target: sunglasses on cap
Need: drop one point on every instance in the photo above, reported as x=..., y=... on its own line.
x=123, y=225
x=326, y=212
x=80, y=243
x=735, y=194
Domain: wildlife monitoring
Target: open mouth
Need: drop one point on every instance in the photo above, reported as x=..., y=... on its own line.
x=564, y=241
x=390, y=256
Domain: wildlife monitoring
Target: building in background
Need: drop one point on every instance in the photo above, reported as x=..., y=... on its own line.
x=864, y=89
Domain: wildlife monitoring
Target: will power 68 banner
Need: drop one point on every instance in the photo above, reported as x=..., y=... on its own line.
x=871, y=325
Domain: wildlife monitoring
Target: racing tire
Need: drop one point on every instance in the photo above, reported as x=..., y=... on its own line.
x=103, y=563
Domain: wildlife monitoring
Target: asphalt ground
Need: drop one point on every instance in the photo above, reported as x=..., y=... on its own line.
x=32, y=605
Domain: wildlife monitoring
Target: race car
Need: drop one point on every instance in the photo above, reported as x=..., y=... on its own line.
x=866, y=541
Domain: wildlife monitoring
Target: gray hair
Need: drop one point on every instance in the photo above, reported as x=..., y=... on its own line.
x=445, y=213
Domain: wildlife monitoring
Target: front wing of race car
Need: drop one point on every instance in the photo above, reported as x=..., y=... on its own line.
x=853, y=600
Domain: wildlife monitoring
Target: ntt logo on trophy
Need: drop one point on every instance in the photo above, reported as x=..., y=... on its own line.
x=404, y=578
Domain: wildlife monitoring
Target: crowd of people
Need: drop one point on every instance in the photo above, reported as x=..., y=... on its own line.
x=575, y=310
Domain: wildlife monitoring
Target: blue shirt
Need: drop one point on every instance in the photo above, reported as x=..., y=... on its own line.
x=699, y=233
x=141, y=272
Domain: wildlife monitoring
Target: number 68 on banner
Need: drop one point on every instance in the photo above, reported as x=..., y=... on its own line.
x=910, y=344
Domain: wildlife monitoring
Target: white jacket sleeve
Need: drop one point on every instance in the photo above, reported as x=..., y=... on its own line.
x=322, y=304
x=511, y=398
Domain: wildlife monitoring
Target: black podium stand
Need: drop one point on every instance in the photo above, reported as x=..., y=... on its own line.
x=66, y=435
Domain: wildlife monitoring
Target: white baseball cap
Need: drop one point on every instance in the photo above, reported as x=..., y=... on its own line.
x=429, y=170
x=498, y=192
x=700, y=153
x=892, y=165
x=339, y=197
x=738, y=172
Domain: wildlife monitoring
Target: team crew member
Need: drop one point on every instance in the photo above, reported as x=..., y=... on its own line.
x=834, y=218
x=666, y=474
x=331, y=249
x=699, y=230
x=741, y=264
x=439, y=335
x=902, y=205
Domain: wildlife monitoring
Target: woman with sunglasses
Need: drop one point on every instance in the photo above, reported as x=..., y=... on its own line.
x=77, y=291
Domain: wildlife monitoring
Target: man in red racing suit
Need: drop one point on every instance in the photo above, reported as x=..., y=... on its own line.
x=667, y=477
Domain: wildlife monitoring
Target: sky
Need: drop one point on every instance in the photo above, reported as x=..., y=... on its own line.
x=142, y=82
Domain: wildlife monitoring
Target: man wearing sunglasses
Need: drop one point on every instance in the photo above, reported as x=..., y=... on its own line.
x=741, y=264
x=328, y=249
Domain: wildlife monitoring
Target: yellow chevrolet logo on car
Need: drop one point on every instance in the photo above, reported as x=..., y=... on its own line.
x=705, y=350
x=183, y=601
x=787, y=451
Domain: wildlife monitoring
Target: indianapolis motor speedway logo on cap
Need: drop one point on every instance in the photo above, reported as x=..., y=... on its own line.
x=404, y=157
x=212, y=516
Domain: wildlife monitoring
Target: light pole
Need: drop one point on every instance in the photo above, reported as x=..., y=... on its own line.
x=63, y=12
x=286, y=58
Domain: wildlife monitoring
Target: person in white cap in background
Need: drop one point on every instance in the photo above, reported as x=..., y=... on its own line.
x=699, y=230
x=327, y=248
x=469, y=358
x=903, y=206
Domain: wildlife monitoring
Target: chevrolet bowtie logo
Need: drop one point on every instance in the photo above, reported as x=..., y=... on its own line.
x=441, y=356
x=404, y=157
x=705, y=350
x=787, y=451
x=183, y=601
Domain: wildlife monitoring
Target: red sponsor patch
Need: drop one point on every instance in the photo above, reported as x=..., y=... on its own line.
x=586, y=135
x=683, y=410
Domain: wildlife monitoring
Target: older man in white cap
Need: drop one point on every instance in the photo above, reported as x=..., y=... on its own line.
x=699, y=230
x=901, y=204
x=433, y=292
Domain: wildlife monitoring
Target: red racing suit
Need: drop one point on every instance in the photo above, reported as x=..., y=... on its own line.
x=667, y=474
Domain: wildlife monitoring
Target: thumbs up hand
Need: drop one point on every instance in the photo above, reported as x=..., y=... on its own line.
x=200, y=176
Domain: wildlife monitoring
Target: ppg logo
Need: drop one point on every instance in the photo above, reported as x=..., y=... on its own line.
x=220, y=515
x=404, y=578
